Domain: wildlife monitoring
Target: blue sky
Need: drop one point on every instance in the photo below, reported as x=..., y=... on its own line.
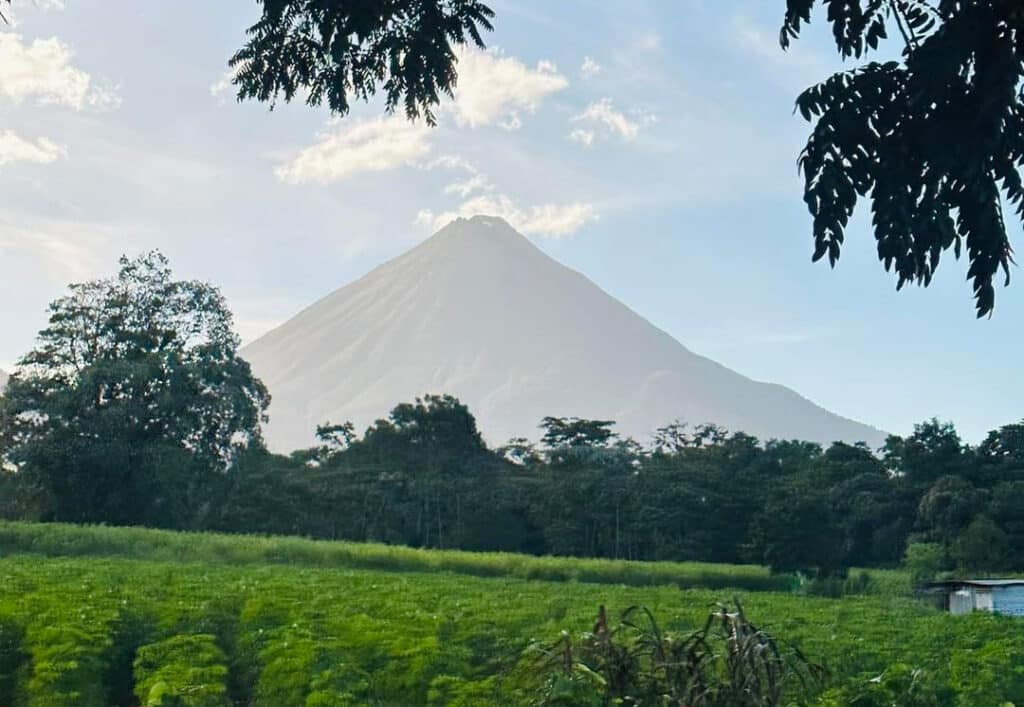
x=650, y=145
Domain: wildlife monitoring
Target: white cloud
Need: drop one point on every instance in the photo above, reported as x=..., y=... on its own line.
x=496, y=89
x=103, y=96
x=584, y=137
x=348, y=148
x=43, y=71
x=475, y=180
x=604, y=114
x=451, y=162
x=548, y=220
x=16, y=6
x=590, y=68
x=40, y=4
x=223, y=84
x=474, y=183
x=16, y=149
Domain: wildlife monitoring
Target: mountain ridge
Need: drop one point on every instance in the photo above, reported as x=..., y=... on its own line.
x=480, y=312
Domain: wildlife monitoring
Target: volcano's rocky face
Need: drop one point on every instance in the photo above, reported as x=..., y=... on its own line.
x=479, y=312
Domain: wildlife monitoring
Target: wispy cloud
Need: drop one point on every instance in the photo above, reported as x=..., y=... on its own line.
x=348, y=148
x=16, y=149
x=547, y=220
x=42, y=71
x=13, y=14
x=590, y=68
x=603, y=114
x=494, y=89
x=465, y=187
x=224, y=84
x=584, y=137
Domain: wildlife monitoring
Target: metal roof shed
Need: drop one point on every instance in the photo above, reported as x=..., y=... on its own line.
x=1000, y=596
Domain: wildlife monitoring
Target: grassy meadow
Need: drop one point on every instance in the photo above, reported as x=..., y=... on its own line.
x=103, y=616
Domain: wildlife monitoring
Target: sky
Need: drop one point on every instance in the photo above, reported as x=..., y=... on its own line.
x=651, y=145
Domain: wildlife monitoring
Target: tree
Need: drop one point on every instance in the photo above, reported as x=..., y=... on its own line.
x=933, y=140
x=1006, y=509
x=924, y=561
x=675, y=437
x=434, y=447
x=134, y=400
x=934, y=450
x=982, y=546
x=948, y=506
x=797, y=530
x=576, y=432
x=339, y=49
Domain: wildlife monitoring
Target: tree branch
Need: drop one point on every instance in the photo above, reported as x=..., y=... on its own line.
x=910, y=41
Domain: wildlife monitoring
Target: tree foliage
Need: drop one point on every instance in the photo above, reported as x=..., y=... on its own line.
x=336, y=51
x=791, y=505
x=576, y=432
x=133, y=398
x=934, y=140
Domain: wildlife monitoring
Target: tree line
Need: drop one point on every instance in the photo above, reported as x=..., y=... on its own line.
x=134, y=408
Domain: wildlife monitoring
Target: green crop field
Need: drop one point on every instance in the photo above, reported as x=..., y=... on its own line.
x=214, y=620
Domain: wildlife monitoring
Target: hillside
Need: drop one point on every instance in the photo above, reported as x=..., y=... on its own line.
x=479, y=312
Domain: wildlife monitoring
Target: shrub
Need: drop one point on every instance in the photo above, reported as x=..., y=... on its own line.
x=727, y=663
x=899, y=684
x=924, y=561
x=12, y=657
x=69, y=647
x=982, y=546
x=186, y=670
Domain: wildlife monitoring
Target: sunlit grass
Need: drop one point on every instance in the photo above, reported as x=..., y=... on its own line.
x=59, y=540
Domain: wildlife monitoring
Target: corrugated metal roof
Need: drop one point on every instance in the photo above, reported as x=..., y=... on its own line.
x=980, y=582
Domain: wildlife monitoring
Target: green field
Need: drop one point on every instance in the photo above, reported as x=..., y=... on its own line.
x=215, y=620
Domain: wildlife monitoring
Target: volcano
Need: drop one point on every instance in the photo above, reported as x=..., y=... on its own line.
x=479, y=312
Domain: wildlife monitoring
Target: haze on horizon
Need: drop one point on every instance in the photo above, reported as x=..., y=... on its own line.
x=654, y=157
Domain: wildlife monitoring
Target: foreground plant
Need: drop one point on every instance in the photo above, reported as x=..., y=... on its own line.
x=727, y=663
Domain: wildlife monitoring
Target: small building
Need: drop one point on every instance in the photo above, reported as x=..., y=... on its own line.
x=1000, y=596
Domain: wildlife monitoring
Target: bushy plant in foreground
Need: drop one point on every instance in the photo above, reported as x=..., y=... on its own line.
x=187, y=670
x=69, y=647
x=729, y=662
x=12, y=657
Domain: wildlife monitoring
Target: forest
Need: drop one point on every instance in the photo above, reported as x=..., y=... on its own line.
x=136, y=409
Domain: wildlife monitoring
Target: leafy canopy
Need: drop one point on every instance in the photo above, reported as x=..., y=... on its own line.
x=337, y=50
x=134, y=372
x=934, y=140
x=576, y=432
